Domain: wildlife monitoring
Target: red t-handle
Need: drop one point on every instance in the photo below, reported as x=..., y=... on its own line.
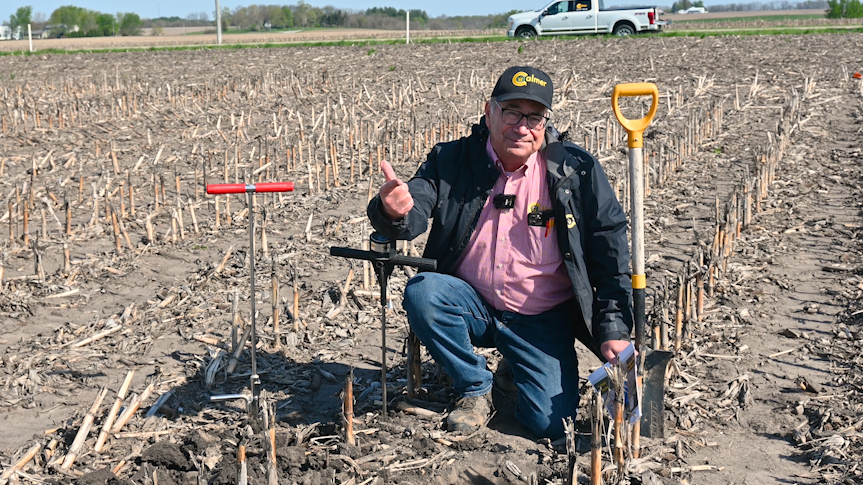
x=244, y=188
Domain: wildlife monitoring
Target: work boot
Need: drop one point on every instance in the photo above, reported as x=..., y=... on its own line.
x=469, y=414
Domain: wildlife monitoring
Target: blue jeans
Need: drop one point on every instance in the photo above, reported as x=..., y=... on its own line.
x=450, y=317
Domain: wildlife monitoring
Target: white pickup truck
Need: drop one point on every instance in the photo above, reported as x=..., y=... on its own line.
x=568, y=17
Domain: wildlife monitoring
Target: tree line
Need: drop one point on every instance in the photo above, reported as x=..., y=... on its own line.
x=304, y=15
x=71, y=21
x=74, y=21
x=852, y=9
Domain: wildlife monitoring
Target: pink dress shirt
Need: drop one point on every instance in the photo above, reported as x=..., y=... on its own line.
x=514, y=266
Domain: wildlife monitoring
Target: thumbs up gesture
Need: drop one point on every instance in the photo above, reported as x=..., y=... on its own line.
x=396, y=198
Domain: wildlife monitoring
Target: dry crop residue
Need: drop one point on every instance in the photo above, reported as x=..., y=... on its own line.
x=762, y=389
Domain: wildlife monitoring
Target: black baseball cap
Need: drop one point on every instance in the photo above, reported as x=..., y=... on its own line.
x=524, y=82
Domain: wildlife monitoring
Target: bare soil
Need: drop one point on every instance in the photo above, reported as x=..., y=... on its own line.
x=784, y=315
x=172, y=31
x=737, y=15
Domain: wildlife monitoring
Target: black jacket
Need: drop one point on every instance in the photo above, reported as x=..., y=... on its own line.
x=452, y=187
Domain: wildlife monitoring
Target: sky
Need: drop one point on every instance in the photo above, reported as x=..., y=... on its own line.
x=182, y=8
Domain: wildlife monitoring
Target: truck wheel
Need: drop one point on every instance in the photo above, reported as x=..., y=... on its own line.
x=526, y=33
x=623, y=29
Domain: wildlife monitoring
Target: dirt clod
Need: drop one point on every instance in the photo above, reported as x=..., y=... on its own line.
x=167, y=455
x=103, y=476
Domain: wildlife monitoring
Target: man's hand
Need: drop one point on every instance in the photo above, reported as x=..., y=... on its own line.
x=612, y=348
x=396, y=198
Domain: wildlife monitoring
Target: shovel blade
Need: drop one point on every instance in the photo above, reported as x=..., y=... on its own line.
x=652, y=407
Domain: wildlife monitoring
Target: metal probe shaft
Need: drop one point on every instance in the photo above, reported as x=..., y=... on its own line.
x=255, y=380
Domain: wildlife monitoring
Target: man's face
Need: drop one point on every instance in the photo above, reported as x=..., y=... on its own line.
x=514, y=142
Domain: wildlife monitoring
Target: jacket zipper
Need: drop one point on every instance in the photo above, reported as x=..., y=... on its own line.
x=473, y=220
x=468, y=231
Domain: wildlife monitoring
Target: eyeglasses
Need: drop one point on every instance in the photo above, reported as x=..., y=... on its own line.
x=514, y=117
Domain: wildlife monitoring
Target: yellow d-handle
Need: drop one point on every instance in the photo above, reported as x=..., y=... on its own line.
x=635, y=128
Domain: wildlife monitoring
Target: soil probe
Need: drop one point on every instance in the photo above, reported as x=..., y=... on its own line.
x=656, y=363
x=384, y=258
x=250, y=189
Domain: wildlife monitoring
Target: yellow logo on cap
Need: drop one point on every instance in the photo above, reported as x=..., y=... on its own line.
x=521, y=79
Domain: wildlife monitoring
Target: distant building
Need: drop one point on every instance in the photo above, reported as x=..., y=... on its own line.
x=7, y=33
x=693, y=10
x=57, y=30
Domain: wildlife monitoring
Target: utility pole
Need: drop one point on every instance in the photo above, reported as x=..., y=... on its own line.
x=218, y=24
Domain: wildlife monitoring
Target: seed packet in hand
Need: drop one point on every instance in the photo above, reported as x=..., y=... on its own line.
x=601, y=381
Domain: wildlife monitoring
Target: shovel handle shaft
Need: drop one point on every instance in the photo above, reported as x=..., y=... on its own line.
x=635, y=128
x=245, y=188
x=639, y=279
x=639, y=313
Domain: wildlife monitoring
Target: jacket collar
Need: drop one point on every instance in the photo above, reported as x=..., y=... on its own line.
x=556, y=154
x=485, y=169
x=555, y=160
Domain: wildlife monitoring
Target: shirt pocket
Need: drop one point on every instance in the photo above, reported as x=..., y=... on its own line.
x=542, y=245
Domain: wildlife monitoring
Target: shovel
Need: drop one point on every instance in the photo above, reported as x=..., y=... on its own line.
x=653, y=363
